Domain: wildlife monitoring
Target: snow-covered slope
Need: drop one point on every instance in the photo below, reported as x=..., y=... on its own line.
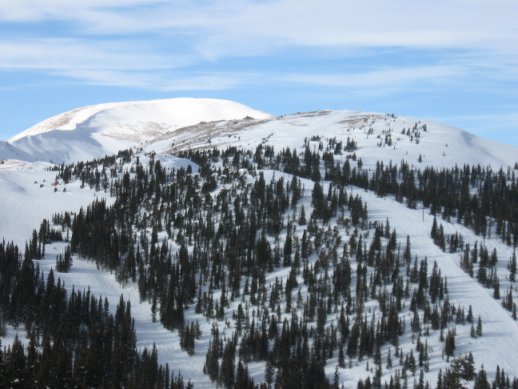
x=94, y=131
x=29, y=193
x=379, y=137
x=8, y=151
x=499, y=345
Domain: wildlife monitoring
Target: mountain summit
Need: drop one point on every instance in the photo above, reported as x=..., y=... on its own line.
x=94, y=131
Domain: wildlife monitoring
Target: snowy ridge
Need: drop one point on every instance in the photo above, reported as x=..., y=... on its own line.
x=169, y=125
x=67, y=121
x=99, y=130
x=379, y=138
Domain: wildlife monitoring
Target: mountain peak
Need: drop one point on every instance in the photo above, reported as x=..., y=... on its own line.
x=171, y=113
x=107, y=128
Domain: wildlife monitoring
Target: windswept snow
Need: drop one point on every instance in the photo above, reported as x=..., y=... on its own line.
x=67, y=121
x=30, y=193
x=379, y=137
x=177, y=124
x=94, y=131
x=8, y=151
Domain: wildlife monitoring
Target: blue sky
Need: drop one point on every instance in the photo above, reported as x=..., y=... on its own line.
x=454, y=61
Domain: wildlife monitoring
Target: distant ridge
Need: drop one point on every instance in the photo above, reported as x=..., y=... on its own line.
x=170, y=125
x=93, y=131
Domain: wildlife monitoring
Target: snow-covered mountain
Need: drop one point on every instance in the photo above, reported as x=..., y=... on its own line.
x=95, y=131
x=178, y=124
x=380, y=137
x=226, y=195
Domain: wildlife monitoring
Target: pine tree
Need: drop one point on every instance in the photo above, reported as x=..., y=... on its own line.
x=481, y=381
x=435, y=229
x=479, y=327
x=469, y=317
x=302, y=216
x=318, y=200
x=389, y=360
x=512, y=267
x=496, y=287
x=449, y=344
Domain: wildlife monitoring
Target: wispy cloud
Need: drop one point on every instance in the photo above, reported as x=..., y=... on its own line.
x=58, y=53
x=36, y=10
x=377, y=78
x=240, y=28
x=157, y=81
x=172, y=44
x=403, y=23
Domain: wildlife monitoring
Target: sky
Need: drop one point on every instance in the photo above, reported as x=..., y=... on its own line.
x=453, y=61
